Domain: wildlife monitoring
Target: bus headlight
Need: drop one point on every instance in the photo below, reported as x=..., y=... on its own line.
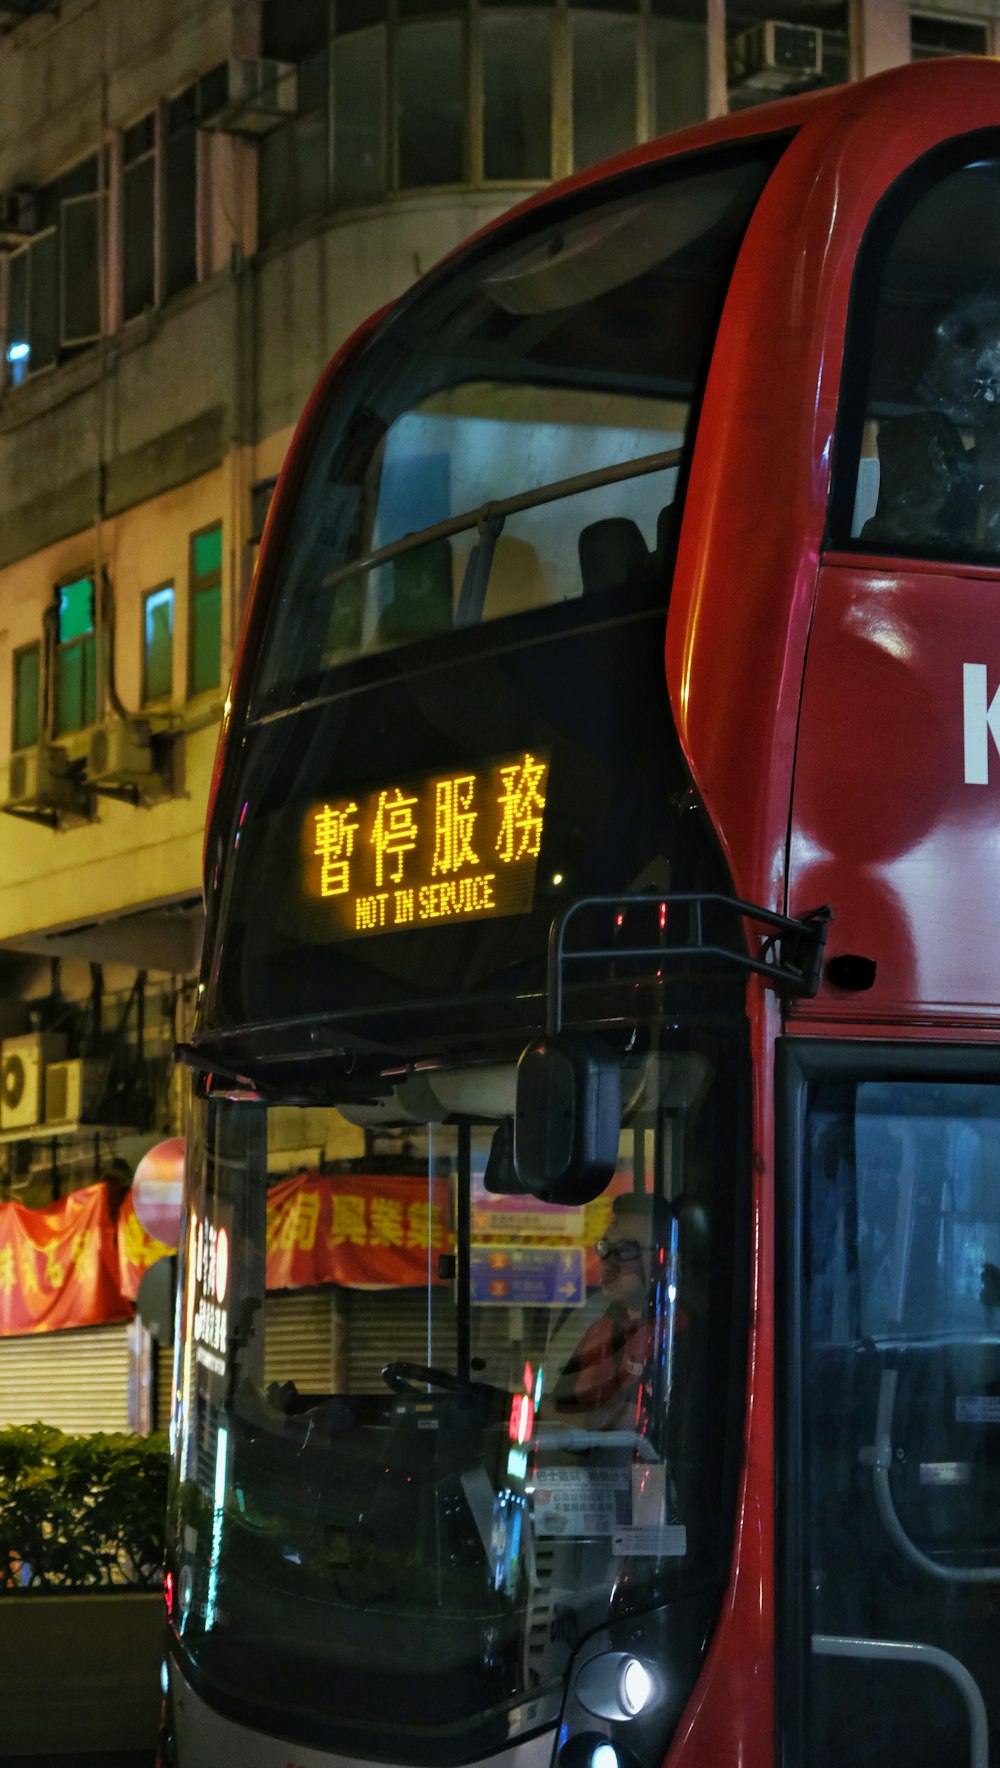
x=615, y=1685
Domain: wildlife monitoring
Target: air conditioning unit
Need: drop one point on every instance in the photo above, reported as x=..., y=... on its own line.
x=18, y=216
x=41, y=779
x=249, y=96
x=123, y=752
x=771, y=56
x=23, y=1062
x=73, y=1090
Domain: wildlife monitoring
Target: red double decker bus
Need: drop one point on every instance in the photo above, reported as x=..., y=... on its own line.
x=600, y=880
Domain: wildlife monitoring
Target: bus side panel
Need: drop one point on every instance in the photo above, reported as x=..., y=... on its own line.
x=756, y=507
x=897, y=793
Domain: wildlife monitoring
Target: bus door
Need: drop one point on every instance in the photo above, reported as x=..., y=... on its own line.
x=891, y=1424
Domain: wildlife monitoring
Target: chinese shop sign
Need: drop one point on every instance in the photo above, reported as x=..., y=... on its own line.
x=458, y=847
x=59, y=1266
x=355, y=1230
x=211, y=1252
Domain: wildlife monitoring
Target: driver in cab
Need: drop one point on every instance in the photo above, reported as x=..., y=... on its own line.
x=602, y=1383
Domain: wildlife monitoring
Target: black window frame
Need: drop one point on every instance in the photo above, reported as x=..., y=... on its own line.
x=800, y=1061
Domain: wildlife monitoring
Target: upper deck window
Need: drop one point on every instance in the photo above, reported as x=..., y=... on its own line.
x=554, y=379
x=920, y=461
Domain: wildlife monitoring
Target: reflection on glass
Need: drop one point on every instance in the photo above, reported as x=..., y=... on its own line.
x=902, y=1413
x=429, y=1413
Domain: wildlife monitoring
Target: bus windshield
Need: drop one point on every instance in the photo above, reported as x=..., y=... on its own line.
x=517, y=436
x=514, y=1424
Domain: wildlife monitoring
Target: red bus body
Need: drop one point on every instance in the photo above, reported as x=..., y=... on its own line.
x=817, y=695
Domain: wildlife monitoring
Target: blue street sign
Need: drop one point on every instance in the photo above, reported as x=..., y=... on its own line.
x=529, y=1276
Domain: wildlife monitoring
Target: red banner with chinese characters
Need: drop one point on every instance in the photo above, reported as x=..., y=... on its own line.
x=361, y=1230
x=137, y=1250
x=59, y=1266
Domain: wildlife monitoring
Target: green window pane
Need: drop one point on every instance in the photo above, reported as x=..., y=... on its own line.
x=26, y=685
x=205, y=665
x=76, y=609
x=207, y=552
x=69, y=696
x=158, y=644
x=76, y=685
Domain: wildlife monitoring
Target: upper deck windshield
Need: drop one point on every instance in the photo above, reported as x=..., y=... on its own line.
x=554, y=380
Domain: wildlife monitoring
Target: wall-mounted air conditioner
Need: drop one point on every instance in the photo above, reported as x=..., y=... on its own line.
x=73, y=1090
x=772, y=55
x=18, y=216
x=41, y=779
x=124, y=752
x=249, y=96
x=23, y=1062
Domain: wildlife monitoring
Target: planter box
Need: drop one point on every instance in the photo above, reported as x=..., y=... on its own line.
x=80, y=1674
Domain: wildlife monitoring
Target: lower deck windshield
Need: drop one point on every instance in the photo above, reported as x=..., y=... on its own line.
x=431, y=1432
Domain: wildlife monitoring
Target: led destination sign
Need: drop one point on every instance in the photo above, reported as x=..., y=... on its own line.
x=457, y=847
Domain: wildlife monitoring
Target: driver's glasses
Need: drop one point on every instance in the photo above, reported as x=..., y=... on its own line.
x=624, y=1252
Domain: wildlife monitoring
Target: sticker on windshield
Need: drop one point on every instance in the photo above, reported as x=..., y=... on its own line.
x=580, y=1500
x=977, y=1408
x=667, y=1541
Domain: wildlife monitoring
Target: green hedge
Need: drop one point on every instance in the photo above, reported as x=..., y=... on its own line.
x=80, y=1513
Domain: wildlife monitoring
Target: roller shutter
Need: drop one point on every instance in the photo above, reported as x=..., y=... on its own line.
x=391, y=1326
x=77, y=1380
x=163, y=1389
x=299, y=1339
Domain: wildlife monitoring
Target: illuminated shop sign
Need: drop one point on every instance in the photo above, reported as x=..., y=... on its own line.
x=211, y=1294
x=457, y=847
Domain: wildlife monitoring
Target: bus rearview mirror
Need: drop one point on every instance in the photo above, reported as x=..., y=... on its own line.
x=567, y=1119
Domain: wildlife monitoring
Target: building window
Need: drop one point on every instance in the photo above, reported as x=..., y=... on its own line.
x=54, y=281
x=294, y=160
x=605, y=72
x=408, y=95
x=359, y=116
x=32, y=307
x=180, y=193
x=430, y=102
x=158, y=643
x=139, y=217
x=27, y=682
x=205, y=611
x=933, y=36
x=75, y=657
x=517, y=86
x=80, y=199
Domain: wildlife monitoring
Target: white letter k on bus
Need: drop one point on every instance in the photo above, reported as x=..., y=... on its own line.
x=982, y=721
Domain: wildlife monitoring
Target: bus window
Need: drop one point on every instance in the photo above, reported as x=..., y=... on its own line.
x=926, y=476
x=902, y=1420
x=515, y=438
